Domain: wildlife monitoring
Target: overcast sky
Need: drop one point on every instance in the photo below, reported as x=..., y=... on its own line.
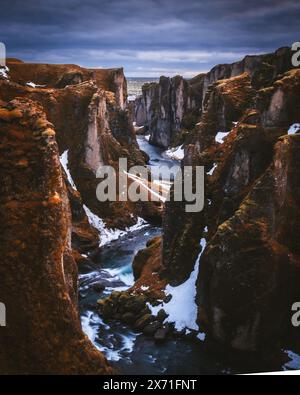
x=147, y=37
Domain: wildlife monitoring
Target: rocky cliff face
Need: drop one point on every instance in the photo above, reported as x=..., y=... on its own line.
x=55, y=132
x=38, y=273
x=172, y=107
x=91, y=125
x=59, y=76
x=249, y=270
x=164, y=107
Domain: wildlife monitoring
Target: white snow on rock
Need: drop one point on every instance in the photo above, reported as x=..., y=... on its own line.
x=131, y=98
x=294, y=360
x=33, y=85
x=147, y=137
x=175, y=153
x=64, y=160
x=182, y=310
x=294, y=129
x=201, y=336
x=107, y=235
x=220, y=137
x=211, y=172
x=142, y=182
x=3, y=72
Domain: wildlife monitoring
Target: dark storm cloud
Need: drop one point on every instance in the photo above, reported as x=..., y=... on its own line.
x=147, y=37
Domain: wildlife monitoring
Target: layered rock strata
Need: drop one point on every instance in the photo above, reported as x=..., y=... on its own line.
x=37, y=271
x=170, y=109
x=91, y=124
x=249, y=270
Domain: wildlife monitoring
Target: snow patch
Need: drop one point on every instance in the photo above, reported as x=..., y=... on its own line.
x=90, y=325
x=64, y=160
x=211, y=172
x=3, y=72
x=220, y=137
x=147, y=137
x=141, y=181
x=131, y=98
x=33, y=85
x=182, y=309
x=143, y=288
x=108, y=235
x=175, y=153
x=294, y=363
x=201, y=336
x=294, y=129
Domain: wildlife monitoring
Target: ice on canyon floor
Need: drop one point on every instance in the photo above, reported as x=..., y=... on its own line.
x=182, y=310
x=294, y=129
x=64, y=160
x=33, y=85
x=211, y=172
x=175, y=153
x=220, y=137
x=107, y=235
x=3, y=72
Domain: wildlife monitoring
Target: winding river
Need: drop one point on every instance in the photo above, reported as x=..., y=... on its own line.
x=131, y=352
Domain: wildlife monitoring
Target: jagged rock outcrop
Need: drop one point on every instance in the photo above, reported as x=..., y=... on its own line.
x=250, y=269
x=91, y=124
x=62, y=75
x=225, y=103
x=38, y=275
x=131, y=306
x=171, y=108
x=85, y=237
x=165, y=107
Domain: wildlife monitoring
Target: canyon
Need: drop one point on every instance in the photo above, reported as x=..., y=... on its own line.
x=218, y=276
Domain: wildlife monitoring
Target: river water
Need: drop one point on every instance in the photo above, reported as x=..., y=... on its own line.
x=131, y=352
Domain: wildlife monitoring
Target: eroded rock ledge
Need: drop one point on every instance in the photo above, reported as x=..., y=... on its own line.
x=249, y=272
x=91, y=123
x=38, y=273
x=171, y=108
